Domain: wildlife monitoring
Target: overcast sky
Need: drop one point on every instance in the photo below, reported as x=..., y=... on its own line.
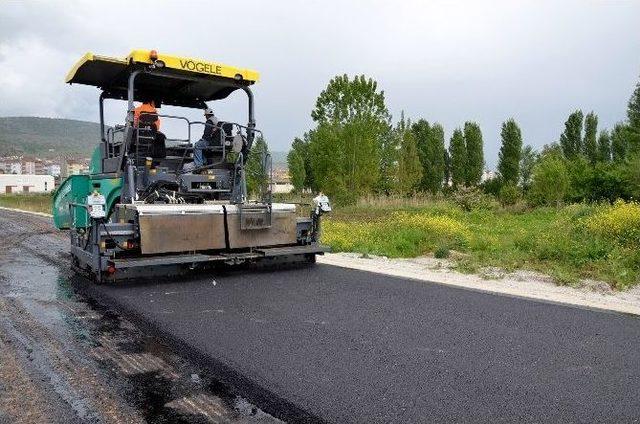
x=443, y=61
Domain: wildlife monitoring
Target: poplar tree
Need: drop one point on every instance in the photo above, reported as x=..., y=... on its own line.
x=296, y=164
x=604, y=146
x=458, y=158
x=475, y=154
x=434, y=173
x=571, y=138
x=590, y=143
x=420, y=131
x=633, y=109
x=510, y=152
x=619, y=145
x=409, y=167
x=388, y=160
x=633, y=116
x=256, y=172
x=447, y=168
x=528, y=160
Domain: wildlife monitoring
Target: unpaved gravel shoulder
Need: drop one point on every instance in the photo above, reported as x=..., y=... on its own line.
x=526, y=284
x=21, y=399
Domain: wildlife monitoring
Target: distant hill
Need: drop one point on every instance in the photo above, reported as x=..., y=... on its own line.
x=47, y=137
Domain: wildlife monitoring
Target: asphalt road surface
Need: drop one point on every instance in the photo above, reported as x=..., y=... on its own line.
x=338, y=345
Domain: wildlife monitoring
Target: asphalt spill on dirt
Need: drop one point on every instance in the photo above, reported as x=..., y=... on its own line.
x=83, y=361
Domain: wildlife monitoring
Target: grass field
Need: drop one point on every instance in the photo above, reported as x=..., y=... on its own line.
x=29, y=202
x=570, y=243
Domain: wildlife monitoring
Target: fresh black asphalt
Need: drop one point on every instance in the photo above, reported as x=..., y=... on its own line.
x=350, y=346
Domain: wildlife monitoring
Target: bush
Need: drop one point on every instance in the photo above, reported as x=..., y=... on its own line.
x=492, y=186
x=550, y=181
x=471, y=199
x=619, y=223
x=441, y=252
x=509, y=195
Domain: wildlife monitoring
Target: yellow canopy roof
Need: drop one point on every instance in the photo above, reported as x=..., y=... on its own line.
x=192, y=80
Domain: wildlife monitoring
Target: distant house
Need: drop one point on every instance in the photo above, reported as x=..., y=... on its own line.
x=29, y=167
x=73, y=168
x=11, y=165
x=281, y=181
x=22, y=183
x=15, y=168
x=53, y=169
x=487, y=175
x=281, y=187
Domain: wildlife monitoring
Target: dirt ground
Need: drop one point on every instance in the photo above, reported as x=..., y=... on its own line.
x=65, y=358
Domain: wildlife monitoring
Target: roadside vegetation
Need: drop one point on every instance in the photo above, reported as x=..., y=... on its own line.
x=34, y=202
x=598, y=241
x=400, y=190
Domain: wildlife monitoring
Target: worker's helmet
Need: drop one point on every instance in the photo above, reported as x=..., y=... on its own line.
x=208, y=112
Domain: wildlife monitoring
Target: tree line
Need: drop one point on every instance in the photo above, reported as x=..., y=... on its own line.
x=354, y=149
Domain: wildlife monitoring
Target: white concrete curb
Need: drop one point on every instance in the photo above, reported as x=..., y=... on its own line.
x=48, y=215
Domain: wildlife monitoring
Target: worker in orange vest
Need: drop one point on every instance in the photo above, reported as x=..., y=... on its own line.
x=147, y=107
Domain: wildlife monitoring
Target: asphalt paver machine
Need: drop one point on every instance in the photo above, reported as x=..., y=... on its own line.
x=144, y=209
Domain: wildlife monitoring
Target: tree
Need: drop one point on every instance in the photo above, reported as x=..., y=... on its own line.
x=633, y=109
x=633, y=116
x=619, y=144
x=345, y=147
x=345, y=101
x=447, y=169
x=299, y=162
x=550, y=181
x=510, y=152
x=409, y=167
x=580, y=173
x=527, y=162
x=255, y=169
x=571, y=138
x=420, y=130
x=433, y=174
x=388, y=161
x=604, y=146
x=296, y=164
x=475, y=155
x=458, y=158
x=590, y=144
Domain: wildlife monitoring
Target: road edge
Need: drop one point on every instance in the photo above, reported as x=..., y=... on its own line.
x=46, y=215
x=532, y=290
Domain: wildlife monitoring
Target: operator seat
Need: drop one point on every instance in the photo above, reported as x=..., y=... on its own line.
x=219, y=140
x=149, y=142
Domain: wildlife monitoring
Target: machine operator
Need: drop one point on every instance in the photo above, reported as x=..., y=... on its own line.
x=209, y=137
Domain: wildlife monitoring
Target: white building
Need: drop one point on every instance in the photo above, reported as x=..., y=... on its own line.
x=29, y=167
x=53, y=169
x=10, y=183
x=15, y=168
x=281, y=187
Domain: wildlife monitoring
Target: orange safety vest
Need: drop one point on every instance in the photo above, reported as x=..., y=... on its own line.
x=146, y=108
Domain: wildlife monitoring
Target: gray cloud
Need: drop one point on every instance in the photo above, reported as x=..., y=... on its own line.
x=444, y=61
